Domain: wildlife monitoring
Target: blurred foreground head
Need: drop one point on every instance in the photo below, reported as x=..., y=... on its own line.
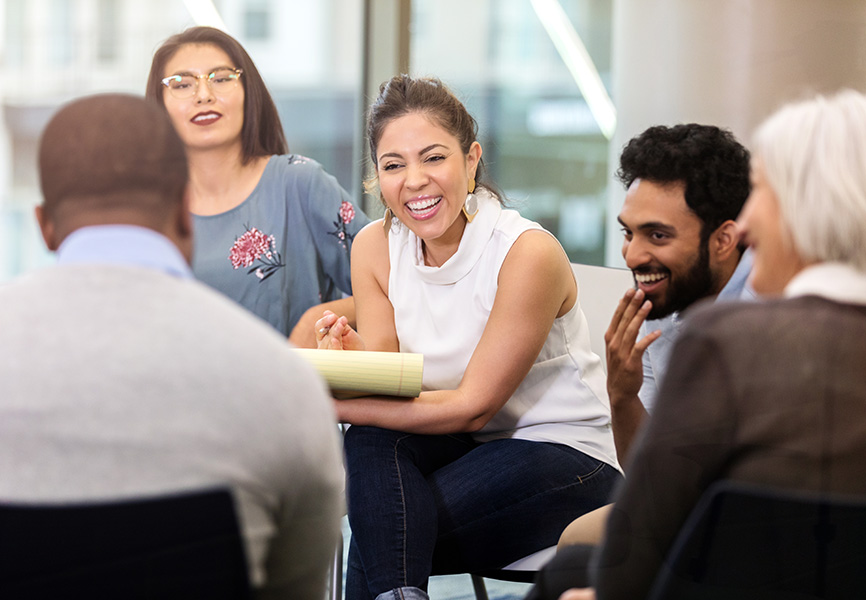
x=808, y=202
x=112, y=159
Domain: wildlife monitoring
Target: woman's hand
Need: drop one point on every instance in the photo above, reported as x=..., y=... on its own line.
x=335, y=333
x=304, y=335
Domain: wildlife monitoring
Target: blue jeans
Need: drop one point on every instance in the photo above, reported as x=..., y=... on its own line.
x=437, y=504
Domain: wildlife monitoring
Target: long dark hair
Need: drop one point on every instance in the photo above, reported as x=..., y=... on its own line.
x=262, y=133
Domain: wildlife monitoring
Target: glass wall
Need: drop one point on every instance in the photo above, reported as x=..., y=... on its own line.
x=51, y=51
x=542, y=144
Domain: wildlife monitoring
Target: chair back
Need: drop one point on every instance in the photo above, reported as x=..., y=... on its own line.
x=750, y=542
x=599, y=290
x=181, y=546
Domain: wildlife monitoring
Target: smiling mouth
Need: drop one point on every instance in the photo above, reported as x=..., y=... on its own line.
x=649, y=277
x=422, y=207
x=205, y=118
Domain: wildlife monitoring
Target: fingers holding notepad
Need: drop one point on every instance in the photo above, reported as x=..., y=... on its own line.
x=335, y=333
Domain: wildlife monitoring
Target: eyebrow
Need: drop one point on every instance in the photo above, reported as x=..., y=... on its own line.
x=423, y=151
x=182, y=73
x=650, y=226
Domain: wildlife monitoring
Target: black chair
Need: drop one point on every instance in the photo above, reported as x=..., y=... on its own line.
x=169, y=547
x=524, y=570
x=749, y=542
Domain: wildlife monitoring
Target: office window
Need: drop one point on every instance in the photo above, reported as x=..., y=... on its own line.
x=257, y=18
x=13, y=47
x=542, y=144
x=60, y=19
x=309, y=54
x=107, y=30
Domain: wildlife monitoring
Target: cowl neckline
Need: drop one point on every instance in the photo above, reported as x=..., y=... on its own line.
x=476, y=236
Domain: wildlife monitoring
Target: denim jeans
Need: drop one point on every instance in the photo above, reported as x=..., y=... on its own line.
x=437, y=504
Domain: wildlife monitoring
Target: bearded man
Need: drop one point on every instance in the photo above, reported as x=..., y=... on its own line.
x=686, y=185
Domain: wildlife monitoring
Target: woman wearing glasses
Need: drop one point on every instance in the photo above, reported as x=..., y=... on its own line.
x=273, y=229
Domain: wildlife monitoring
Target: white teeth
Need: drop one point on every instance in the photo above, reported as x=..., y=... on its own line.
x=419, y=205
x=208, y=117
x=649, y=278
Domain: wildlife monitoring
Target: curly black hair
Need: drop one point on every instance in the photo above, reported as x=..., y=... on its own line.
x=711, y=163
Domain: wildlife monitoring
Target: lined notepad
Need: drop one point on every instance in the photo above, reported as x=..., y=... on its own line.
x=352, y=373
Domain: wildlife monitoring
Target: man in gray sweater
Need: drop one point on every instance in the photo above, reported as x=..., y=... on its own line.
x=122, y=377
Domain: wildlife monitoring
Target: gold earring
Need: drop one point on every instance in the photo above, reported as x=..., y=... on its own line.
x=470, y=207
x=471, y=185
x=386, y=221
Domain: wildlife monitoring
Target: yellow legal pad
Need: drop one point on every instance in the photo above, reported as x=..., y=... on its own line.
x=352, y=373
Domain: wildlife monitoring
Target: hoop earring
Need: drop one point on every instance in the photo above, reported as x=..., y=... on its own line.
x=470, y=207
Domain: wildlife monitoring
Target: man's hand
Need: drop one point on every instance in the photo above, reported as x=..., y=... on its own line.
x=624, y=353
x=625, y=367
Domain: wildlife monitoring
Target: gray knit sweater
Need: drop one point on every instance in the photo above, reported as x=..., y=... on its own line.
x=121, y=381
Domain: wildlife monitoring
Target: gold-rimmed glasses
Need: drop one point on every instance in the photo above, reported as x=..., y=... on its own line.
x=220, y=81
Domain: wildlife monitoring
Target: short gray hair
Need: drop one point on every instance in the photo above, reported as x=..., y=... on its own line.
x=814, y=156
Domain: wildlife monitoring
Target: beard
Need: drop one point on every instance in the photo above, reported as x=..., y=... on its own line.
x=686, y=289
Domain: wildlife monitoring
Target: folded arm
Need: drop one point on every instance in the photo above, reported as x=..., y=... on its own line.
x=535, y=285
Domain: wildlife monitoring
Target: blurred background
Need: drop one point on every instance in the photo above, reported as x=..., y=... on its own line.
x=557, y=86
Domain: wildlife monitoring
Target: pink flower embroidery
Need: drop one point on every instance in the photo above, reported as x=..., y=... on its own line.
x=253, y=246
x=249, y=247
x=347, y=212
x=344, y=216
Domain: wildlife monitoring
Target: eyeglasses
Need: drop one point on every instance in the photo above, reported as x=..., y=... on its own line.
x=221, y=81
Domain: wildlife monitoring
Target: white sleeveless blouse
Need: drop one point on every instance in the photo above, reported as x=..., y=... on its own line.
x=441, y=313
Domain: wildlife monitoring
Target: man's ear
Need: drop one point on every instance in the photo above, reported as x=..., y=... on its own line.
x=725, y=240
x=46, y=225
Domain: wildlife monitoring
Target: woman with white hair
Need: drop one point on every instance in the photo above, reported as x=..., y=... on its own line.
x=808, y=203
x=774, y=392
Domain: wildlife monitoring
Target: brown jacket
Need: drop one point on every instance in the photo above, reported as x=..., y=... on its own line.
x=768, y=392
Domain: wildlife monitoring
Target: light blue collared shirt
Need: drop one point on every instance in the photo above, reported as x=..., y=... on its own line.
x=656, y=357
x=123, y=245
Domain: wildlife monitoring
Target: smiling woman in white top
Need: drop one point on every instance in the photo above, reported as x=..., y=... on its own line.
x=510, y=438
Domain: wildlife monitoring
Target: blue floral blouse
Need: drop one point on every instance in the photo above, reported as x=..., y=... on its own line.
x=286, y=247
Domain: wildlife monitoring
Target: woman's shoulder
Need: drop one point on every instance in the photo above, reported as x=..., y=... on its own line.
x=510, y=222
x=294, y=165
x=372, y=238
x=525, y=237
x=298, y=177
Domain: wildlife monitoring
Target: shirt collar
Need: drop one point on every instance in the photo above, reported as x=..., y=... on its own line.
x=737, y=287
x=476, y=236
x=123, y=245
x=833, y=281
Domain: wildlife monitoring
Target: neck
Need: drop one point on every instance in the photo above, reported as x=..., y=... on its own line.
x=219, y=180
x=438, y=251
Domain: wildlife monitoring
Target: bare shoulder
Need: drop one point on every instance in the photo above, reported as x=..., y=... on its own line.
x=371, y=241
x=536, y=251
x=370, y=256
x=537, y=265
